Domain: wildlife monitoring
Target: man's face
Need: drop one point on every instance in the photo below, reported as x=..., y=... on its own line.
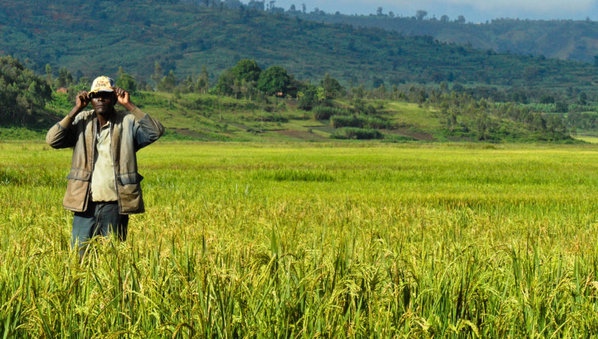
x=103, y=102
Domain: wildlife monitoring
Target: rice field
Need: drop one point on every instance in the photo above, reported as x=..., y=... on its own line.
x=311, y=240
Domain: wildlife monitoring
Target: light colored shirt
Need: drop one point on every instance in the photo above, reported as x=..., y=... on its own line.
x=103, y=184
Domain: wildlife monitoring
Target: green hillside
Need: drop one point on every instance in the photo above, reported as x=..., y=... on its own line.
x=91, y=37
x=28, y=107
x=216, y=118
x=555, y=39
x=385, y=85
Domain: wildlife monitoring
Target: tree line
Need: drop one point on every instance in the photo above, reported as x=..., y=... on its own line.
x=465, y=113
x=475, y=113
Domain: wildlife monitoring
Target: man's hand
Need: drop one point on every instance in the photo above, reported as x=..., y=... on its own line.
x=81, y=101
x=124, y=98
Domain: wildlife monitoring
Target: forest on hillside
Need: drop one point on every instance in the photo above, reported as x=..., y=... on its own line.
x=273, y=96
x=335, y=71
x=186, y=36
x=555, y=39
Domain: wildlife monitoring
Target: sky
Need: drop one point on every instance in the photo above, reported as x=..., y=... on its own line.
x=473, y=10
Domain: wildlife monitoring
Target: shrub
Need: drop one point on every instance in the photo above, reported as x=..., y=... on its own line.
x=271, y=118
x=356, y=133
x=325, y=112
x=360, y=121
x=377, y=123
x=339, y=121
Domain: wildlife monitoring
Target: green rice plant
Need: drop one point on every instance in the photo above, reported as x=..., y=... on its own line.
x=311, y=240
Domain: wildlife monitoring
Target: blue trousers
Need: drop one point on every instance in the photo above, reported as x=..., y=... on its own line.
x=100, y=219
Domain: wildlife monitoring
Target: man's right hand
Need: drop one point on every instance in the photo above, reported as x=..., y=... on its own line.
x=82, y=100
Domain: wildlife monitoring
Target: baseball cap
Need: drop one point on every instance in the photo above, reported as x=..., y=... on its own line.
x=102, y=84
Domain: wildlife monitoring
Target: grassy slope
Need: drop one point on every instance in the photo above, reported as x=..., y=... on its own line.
x=226, y=119
x=215, y=118
x=197, y=117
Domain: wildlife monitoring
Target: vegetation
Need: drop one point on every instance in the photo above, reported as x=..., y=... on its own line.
x=23, y=94
x=185, y=38
x=345, y=78
x=299, y=240
x=270, y=237
x=555, y=39
x=249, y=110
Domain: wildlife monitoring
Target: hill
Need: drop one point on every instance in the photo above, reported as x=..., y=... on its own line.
x=92, y=37
x=28, y=107
x=250, y=112
x=554, y=39
x=207, y=117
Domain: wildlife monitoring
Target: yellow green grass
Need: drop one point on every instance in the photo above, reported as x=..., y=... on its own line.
x=588, y=139
x=311, y=240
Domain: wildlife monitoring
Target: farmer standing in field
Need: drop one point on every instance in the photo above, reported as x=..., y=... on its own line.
x=103, y=184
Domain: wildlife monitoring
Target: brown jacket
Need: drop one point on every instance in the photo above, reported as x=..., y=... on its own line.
x=130, y=132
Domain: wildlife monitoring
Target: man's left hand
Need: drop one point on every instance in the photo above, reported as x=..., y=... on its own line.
x=123, y=96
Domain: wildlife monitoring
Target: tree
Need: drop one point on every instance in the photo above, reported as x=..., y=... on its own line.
x=126, y=81
x=256, y=5
x=158, y=73
x=203, y=82
x=332, y=88
x=65, y=79
x=225, y=83
x=187, y=85
x=247, y=70
x=582, y=99
x=561, y=107
x=233, y=4
x=167, y=83
x=421, y=15
x=274, y=80
x=240, y=79
x=22, y=93
x=308, y=97
x=49, y=73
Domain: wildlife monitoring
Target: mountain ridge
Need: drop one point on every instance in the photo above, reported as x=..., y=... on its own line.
x=91, y=38
x=560, y=39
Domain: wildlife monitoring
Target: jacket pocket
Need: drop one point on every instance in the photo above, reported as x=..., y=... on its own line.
x=129, y=178
x=79, y=174
x=75, y=198
x=129, y=191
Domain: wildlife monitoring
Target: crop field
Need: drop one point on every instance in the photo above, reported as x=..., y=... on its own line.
x=311, y=240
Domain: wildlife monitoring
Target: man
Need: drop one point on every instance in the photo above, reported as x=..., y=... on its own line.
x=103, y=185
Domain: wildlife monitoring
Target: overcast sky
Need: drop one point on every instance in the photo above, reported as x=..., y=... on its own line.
x=472, y=10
